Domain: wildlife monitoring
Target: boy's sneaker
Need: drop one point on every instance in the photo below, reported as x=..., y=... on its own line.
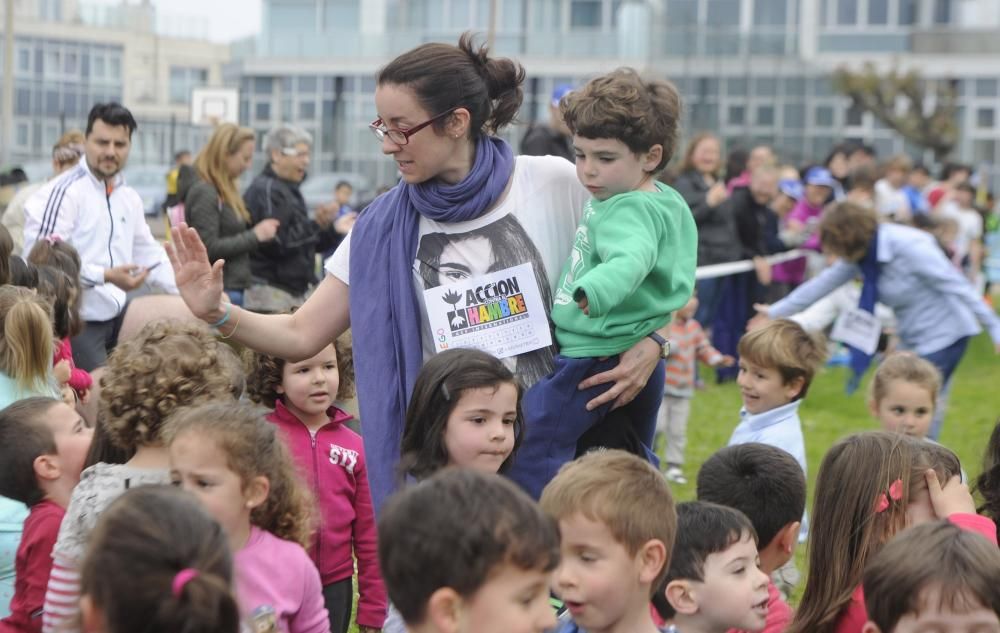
x=676, y=475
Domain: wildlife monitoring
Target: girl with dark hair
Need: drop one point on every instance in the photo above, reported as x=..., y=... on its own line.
x=439, y=108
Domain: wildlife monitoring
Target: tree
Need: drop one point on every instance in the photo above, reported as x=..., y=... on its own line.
x=900, y=101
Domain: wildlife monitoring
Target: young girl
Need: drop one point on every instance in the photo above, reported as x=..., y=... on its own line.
x=232, y=460
x=156, y=562
x=904, y=394
x=988, y=482
x=465, y=411
x=869, y=487
x=53, y=255
x=331, y=458
x=166, y=365
x=25, y=346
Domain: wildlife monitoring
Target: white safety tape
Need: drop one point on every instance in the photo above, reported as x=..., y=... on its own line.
x=746, y=265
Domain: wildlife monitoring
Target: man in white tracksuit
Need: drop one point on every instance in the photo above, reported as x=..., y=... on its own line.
x=91, y=207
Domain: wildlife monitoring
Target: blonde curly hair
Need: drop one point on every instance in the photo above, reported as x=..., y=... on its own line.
x=253, y=448
x=167, y=365
x=264, y=373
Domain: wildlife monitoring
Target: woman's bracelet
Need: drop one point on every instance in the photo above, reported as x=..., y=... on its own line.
x=225, y=317
x=235, y=325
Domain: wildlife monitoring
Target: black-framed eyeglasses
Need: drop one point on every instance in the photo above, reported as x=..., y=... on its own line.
x=401, y=137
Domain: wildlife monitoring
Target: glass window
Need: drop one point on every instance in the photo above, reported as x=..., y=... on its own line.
x=263, y=85
x=984, y=151
x=682, y=13
x=984, y=118
x=22, y=134
x=244, y=111
x=51, y=103
x=705, y=116
x=986, y=87
x=307, y=110
x=706, y=87
x=183, y=81
x=22, y=101
x=328, y=84
x=770, y=12
x=736, y=86
x=855, y=115
x=795, y=86
x=847, y=12
x=737, y=115
x=114, y=68
x=765, y=115
x=765, y=86
x=878, y=12
x=262, y=111
x=307, y=84
x=824, y=116
x=942, y=11
x=585, y=13
x=908, y=12
x=794, y=116
x=24, y=60
x=722, y=13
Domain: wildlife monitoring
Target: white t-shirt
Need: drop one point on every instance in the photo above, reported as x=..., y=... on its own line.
x=892, y=202
x=535, y=224
x=970, y=228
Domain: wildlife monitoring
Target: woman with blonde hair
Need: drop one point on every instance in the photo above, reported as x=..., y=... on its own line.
x=214, y=207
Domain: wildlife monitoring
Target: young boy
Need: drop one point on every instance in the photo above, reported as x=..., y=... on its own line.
x=43, y=445
x=714, y=583
x=768, y=486
x=934, y=577
x=617, y=523
x=688, y=344
x=632, y=265
x=777, y=364
x=467, y=552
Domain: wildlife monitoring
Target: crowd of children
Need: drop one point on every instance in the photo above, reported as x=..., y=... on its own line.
x=224, y=493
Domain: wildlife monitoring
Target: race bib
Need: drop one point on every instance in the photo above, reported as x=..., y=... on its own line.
x=501, y=313
x=858, y=328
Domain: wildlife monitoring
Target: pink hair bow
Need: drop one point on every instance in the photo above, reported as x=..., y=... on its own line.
x=895, y=493
x=53, y=239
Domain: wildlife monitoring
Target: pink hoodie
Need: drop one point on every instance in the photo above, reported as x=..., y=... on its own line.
x=333, y=462
x=794, y=271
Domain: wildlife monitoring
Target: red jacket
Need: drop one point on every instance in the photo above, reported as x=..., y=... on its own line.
x=32, y=567
x=855, y=614
x=333, y=463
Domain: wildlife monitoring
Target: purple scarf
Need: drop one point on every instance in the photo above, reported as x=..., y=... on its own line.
x=385, y=315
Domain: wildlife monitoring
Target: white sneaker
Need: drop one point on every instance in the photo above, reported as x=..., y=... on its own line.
x=676, y=475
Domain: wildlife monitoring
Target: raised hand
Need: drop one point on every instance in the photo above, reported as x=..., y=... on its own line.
x=199, y=282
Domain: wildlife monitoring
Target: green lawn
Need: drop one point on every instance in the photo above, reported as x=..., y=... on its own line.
x=828, y=414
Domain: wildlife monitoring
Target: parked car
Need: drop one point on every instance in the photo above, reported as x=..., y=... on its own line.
x=150, y=181
x=317, y=189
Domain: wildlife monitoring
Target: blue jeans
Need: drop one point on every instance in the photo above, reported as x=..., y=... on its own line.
x=710, y=293
x=946, y=360
x=556, y=417
x=235, y=297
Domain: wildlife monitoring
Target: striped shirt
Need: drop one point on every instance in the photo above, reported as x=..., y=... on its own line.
x=688, y=343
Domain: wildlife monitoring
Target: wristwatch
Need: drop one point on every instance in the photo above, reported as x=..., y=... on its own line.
x=662, y=342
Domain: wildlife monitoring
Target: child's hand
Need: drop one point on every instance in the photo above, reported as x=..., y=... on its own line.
x=62, y=371
x=954, y=498
x=762, y=317
x=727, y=361
x=582, y=302
x=68, y=395
x=84, y=396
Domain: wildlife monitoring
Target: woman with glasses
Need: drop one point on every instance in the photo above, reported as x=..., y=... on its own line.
x=439, y=108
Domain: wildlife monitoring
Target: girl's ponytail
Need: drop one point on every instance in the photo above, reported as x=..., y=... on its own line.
x=162, y=537
x=26, y=348
x=503, y=77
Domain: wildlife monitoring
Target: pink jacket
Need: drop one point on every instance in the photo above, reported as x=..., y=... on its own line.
x=794, y=271
x=79, y=379
x=854, y=615
x=333, y=462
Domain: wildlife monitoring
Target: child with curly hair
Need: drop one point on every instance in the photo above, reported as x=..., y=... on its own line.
x=168, y=364
x=233, y=461
x=331, y=458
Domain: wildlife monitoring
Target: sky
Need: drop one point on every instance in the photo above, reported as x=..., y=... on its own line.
x=227, y=19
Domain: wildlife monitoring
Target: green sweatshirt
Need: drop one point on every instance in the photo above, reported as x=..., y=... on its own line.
x=634, y=258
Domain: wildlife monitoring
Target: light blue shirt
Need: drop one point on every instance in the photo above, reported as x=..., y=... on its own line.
x=12, y=516
x=935, y=304
x=780, y=427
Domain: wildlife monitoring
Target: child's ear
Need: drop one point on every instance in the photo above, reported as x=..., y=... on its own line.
x=681, y=597
x=873, y=408
x=652, y=158
x=789, y=537
x=257, y=491
x=794, y=387
x=279, y=390
x=91, y=618
x=870, y=627
x=444, y=610
x=652, y=557
x=47, y=467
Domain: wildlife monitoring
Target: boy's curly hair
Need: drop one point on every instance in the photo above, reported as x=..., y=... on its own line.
x=253, y=447
x=264, y=373
x=168, y=364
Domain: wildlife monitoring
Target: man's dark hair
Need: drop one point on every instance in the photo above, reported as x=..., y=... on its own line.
x=922, y=168
x=113, y=114
x=702, y=529
x=949, y=170
x=763, y=482
x=343, y=183
x=862, y=148
x=455, y=529
x=181, y=154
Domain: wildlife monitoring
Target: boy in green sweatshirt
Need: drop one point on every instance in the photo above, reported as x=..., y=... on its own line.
x=632, y=264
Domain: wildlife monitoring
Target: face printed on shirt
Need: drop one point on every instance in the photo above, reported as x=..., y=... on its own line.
x=763, y=388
